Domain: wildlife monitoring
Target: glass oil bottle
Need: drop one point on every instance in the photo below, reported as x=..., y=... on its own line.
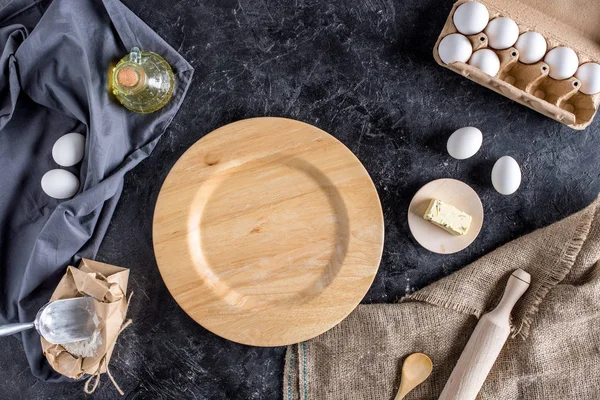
x=142, y=81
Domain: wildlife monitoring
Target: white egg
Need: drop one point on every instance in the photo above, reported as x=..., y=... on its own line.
x=532, y=46
x=506, y=175
x=563, y=62
x=60, y=184
x=589, y=75
x=455, y=47
x=464, y=142
x=502, y=33
x=69, y=149
x=471, y=18
x=486, y=60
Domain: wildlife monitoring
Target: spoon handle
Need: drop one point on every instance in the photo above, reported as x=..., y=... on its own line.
x=402, y=392
x=10, y=329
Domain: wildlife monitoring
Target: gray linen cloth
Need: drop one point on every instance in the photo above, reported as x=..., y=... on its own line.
x=55, y=59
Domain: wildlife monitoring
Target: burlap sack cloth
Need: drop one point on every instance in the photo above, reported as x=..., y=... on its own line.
x=107, y=284
x=554, y=353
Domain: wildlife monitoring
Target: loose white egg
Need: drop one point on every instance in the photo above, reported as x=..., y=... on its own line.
x=455, y=47
x=486, y=60
x=532, y=46
x=506, y=175
x=68, y=149
x=60, y=184
x=464, y=142
x=563, y=62
x=502, y=33
x=589, y=75
x=471, y=18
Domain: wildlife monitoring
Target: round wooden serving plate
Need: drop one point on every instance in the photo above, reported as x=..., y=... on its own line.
x=450, y=191
x=268, y=231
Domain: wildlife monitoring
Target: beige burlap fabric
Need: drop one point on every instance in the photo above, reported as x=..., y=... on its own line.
x=554, y=353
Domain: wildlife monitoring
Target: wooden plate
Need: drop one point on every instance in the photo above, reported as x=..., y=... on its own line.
x=451, y=191
x=268, y=231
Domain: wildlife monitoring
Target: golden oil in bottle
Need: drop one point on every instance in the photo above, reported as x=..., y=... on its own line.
x=143, y=81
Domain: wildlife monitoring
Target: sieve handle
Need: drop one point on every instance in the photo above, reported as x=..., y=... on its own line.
x=10, y=329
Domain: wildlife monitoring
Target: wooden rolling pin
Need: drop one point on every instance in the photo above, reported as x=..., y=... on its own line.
x=485, y=343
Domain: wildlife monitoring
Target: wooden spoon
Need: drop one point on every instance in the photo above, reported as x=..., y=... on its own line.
x=416, y=368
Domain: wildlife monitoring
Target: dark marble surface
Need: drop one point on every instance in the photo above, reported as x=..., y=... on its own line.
x=363, y=71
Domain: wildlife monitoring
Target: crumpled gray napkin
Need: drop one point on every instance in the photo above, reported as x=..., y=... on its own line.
x=55, y=59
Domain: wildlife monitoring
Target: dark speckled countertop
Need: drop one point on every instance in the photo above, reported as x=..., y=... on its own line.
x=363, y=71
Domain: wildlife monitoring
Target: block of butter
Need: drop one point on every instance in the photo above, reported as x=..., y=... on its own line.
x=448, y=217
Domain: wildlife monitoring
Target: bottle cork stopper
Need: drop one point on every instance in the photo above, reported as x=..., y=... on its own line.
x=128, y=77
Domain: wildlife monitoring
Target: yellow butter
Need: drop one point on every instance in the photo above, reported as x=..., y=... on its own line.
x=448, y=217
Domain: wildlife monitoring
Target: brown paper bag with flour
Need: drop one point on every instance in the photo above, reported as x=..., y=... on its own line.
x=107, y=284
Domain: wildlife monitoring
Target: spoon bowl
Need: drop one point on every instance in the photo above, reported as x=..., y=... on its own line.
x=416, y=368
x=61, y=321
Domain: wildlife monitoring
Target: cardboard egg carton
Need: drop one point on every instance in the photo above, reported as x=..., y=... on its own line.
x=571, y=23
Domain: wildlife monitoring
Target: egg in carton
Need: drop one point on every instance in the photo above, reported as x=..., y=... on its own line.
x=561, y=31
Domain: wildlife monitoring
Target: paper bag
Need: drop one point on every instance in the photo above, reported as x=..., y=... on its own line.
x=107, y=284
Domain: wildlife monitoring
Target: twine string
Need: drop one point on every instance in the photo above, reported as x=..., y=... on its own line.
x=94, y=378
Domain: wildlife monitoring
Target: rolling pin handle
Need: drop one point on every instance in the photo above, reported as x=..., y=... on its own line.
x=517, y=285
x=485, y=343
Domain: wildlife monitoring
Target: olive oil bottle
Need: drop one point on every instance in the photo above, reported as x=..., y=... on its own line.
x=143, y=81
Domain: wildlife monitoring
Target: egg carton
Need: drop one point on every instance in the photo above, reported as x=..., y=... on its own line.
x=570, y=23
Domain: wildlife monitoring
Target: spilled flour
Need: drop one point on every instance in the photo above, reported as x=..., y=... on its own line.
x=88, y=347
